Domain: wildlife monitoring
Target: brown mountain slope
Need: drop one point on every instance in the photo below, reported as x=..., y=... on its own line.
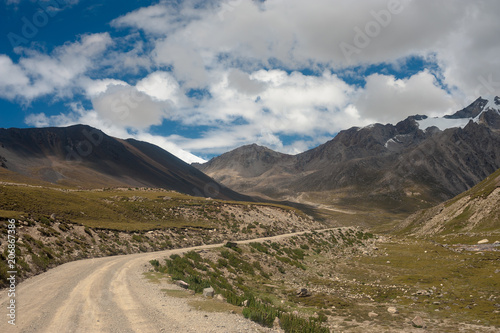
x=250, y=169
x=476, y=210
x=86, y=157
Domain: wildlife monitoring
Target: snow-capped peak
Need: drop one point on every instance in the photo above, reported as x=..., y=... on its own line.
x=462, y=117
x=493, y=103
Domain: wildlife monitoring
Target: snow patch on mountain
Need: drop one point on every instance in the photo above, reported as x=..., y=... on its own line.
x=442, y=123
x=389, y=142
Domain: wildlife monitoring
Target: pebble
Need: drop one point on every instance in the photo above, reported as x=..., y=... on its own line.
x=392, y=310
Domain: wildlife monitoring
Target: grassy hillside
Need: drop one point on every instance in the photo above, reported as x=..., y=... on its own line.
x=56, y=225
x=118, y=209
x=474, y=211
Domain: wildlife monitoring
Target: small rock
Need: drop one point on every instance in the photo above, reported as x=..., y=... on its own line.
x=422, y=293
x=219, y=297
x=437, y=303
x=392, y=310
x=303, y=292
x=182, y=284
x=372, y=314
x=277, y=323
x=483, y=241
x=208, y=292
x=245, y=303
x=418, y=322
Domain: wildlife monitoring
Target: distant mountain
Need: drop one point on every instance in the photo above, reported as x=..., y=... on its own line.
x=416, y=163
x=476, y=210
x=250, y=168
x=86, y=157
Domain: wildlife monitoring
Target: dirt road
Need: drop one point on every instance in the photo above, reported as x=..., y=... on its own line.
x=111, y=295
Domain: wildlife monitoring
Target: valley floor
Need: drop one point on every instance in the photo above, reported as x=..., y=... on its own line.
x=453, y=291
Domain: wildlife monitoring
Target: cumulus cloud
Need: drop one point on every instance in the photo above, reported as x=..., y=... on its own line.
x=302, y=34
x=128, y=107
x=386, y=99
x=12, y=78
x=162, y=86
x=38, y=74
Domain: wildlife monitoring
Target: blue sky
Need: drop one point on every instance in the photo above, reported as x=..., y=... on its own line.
x=200, y=78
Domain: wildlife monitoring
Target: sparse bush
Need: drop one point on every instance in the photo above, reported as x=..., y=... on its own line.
x=87, y=231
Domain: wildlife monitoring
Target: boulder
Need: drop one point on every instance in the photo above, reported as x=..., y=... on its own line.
x=208, y=292
x=483, y=241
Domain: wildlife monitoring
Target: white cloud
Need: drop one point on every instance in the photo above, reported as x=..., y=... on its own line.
x=128, y=107
x=93, y=88
x=38, y=74
x=12, y=78
x=162, y=86
x=386, y=99
x=461, y=34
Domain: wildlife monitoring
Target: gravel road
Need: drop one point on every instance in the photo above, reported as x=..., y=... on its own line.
x=111, y=295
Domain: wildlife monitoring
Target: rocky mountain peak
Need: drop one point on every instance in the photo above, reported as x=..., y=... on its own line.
x=477, y=107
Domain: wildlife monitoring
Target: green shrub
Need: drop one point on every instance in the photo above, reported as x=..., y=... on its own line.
x=259, y=247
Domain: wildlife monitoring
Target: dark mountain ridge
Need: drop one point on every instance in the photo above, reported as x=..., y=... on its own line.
x=86, y=157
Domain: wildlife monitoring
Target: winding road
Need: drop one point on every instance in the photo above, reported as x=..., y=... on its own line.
x=111, y=294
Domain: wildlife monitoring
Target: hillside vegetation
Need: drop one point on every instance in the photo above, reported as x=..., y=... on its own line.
x=57, y=225
x=355, y=282
x=476, y=211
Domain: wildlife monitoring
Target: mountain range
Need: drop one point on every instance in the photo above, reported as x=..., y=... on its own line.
x=82, y=156
x=382, y=168
x=417, y=163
